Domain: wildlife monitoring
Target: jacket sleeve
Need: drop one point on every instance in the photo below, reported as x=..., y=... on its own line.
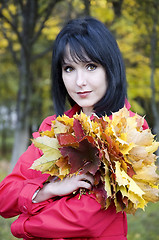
x=67, y=218
x=145, y=124
x=17, y=189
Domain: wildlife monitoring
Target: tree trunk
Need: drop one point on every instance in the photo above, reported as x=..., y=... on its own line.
x=87, y=7
x=20, y=143
x=117, y=6
x=4, y=137
x=152, y=78
x=21, y=138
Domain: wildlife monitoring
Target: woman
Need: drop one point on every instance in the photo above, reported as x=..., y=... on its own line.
x=87, y=68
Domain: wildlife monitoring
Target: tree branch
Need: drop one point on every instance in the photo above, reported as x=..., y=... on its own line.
x=11, y=48
x=39, y=55
x=33, y=9
x=47, y=12
x=14, y=28
x=21, y=5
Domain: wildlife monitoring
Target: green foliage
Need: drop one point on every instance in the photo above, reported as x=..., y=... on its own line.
x=5, y=233
x=102, y=10
x=8, y=80
x=144, y=225
x=133, y=31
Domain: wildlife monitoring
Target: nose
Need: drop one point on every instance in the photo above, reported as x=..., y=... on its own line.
x=80, y=78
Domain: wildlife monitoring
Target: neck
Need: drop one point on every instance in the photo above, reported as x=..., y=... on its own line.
x=87, y=110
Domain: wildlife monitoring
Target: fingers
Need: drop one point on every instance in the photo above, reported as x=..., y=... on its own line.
x=71, y=184
x=87, y=178
x=85, y=181
x=86, y=185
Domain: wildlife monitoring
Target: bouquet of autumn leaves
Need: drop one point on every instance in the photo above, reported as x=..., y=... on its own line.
x=117, y=152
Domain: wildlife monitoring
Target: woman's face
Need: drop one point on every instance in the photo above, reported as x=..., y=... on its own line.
x=85, y=82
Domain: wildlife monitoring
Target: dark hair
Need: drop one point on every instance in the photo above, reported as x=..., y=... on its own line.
x=92, y=37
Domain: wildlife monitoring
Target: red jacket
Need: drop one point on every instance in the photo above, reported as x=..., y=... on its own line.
x=67, y=217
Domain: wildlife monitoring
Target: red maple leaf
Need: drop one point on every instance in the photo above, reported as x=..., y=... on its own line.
x=78, y=130
x=85, y=157
x=67, y=139
x=100, y=193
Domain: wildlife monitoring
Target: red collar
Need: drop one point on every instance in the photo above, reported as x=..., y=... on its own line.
x=127, y=104
x=76, y=109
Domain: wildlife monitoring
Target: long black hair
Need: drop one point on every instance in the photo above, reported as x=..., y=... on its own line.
x=90, y=36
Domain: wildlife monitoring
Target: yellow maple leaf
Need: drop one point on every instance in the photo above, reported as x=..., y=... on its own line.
x=137, y=153
x=134, y=192
x=59, y=127
x=64, y=167
x=48, y=133
x=85, y=121
x=53, y=170
x=117, y=116
x=49, y=146
x=124, y=180
x=138, y=201
x=147, y=174
x=151, y=193
x=42, y=166
x=107, y=182
x=126, y=148
x=65, y=120
x=153, y=147
x=141, y=138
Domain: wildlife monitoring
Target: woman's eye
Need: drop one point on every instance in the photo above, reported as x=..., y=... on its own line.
x=68, y=69
x=91, y=67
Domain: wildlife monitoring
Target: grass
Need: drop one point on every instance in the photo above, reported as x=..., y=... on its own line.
x=142, y=226
x=5, y=233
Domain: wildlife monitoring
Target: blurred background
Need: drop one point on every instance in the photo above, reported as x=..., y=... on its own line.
x=27, y=32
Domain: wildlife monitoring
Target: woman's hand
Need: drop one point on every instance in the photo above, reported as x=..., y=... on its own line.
x=64, y=187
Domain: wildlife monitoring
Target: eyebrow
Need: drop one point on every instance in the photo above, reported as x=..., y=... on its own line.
x=70, y=62
x=67, y=62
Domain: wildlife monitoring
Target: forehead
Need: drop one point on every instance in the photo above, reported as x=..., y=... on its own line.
x=75, y=55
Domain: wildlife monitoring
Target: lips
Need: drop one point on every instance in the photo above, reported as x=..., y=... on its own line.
x=84, y=94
